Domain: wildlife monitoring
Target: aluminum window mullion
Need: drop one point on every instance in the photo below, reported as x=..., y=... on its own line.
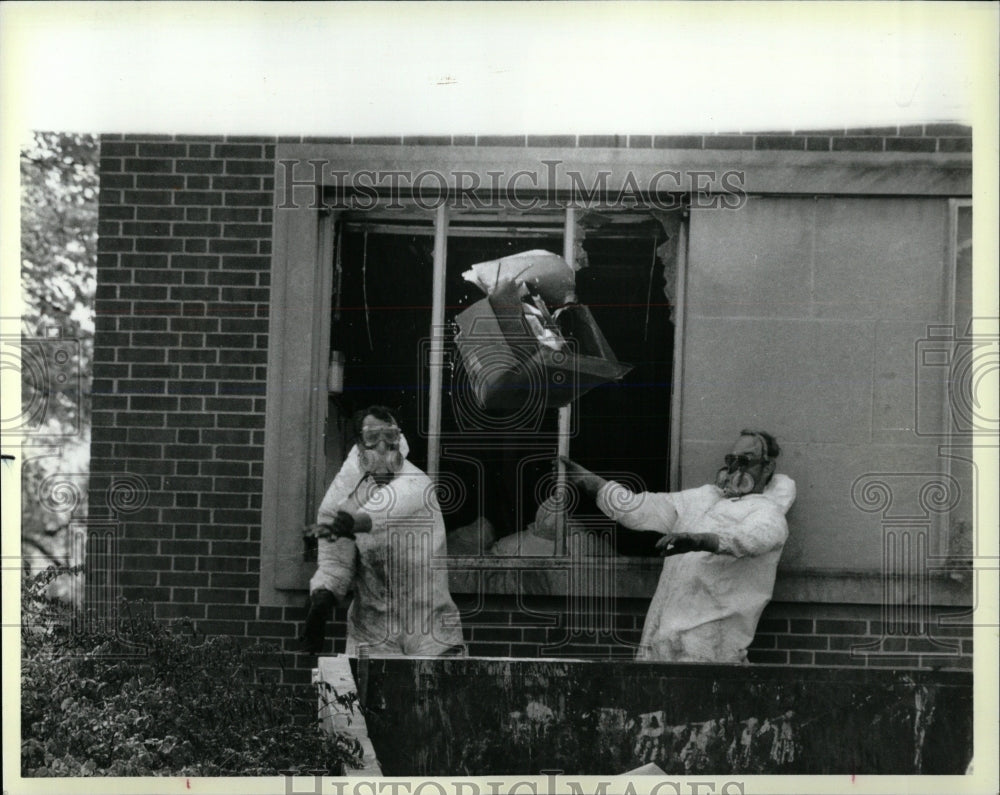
x=437, y=342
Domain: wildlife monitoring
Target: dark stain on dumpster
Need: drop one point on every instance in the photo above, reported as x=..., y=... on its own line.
x=474, y=717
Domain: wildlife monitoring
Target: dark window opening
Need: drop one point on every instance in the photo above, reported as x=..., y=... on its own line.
x=381, y=325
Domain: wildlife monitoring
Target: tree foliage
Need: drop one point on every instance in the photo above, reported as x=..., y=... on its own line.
x=59, y=192
x=143, y=698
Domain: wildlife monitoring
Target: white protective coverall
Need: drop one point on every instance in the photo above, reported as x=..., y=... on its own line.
x=707, y=605
x=401, y=605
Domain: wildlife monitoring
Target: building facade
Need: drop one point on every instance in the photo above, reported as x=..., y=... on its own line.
x=814, y=284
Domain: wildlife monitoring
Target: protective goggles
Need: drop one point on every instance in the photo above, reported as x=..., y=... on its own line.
x=742, y=461
x=370, y=437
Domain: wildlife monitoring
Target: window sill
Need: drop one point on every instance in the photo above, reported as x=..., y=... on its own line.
x=637, y=578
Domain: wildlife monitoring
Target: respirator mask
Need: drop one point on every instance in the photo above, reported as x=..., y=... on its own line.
x=378, y=450
x=734, y=480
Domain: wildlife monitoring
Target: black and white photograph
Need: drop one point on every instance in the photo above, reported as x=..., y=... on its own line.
x=500, y=397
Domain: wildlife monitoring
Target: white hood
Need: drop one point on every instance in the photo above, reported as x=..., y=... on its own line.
x=781, y=491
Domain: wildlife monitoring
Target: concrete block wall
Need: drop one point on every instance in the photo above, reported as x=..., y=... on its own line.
x=180, y=353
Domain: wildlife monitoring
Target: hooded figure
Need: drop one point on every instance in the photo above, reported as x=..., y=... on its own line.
x=722, y=544
x=388, y=545
x=707, y=604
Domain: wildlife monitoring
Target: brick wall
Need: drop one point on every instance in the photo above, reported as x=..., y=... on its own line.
x=179, y=373
x=788, y=634
x=179, y=383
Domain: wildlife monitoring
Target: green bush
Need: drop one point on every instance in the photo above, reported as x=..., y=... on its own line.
x=143, y=698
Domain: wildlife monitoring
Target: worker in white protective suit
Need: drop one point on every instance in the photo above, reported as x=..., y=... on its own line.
x=722, y=542
x=380, y=535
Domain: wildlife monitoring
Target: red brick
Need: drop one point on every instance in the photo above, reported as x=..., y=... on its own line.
x=171, y=610
x=197, y=229
x=114, y=148
x=199, y=166
x=882, y=131
x=800, y=642
x=190, y=579
x=110, y=244
x=197, y=262
x=116, y=213
x=159, y=182
x=183, y=547
x=276, y=629
x=858, y=144
x=146, y=594
x=197, y=197
x=244, y=183
x=181, y=515
x=227, y=595
x=149, y=165
x=910, y=145
x=895, y=661
x=247, y=230
x=728, y=142
x=117, y=181
x=776, y=625
x=848, y=642
x=217, y=563
x=225, y=246
x=832, y=659
x=231, y=278
x=231, y=580
x=954, y=144
x=219, y=627
x=240, y=518
x=782, y=142
x=427, y=140
x=246, y=167
x=561, y=141
x=767, y=657
x=826, y=627
x=235, y=214
x=239, y=150
x=678, y=142
x=233, y=612
x=162, y=150
x=235, y=548
x=948, y=129
x=147, y=197
x=159, y=213
x=928, y=645
x=247, y=199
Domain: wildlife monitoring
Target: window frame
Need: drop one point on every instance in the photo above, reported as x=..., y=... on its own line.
x=302, y=272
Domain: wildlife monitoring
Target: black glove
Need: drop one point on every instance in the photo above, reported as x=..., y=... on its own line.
x=679, y=546
x=343, y=525
x=321, y=603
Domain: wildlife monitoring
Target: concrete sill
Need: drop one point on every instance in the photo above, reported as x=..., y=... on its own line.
x=637, y=578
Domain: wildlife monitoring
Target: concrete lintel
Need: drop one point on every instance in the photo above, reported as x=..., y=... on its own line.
x=701, y=171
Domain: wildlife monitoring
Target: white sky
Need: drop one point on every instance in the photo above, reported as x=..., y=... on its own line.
x=327, y=69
